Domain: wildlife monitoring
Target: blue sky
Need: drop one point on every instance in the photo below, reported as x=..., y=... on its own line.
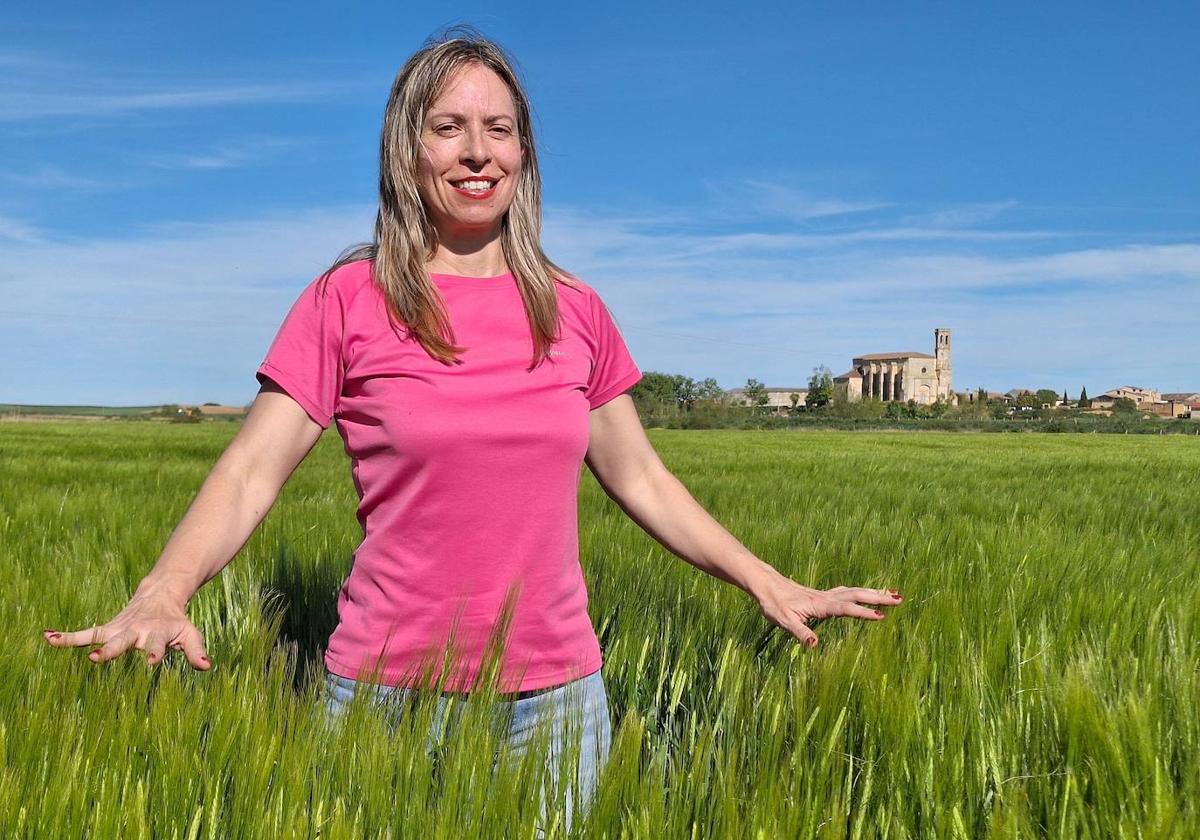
x=753, y=194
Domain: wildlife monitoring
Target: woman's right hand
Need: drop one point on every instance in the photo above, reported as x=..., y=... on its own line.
x=151, y=623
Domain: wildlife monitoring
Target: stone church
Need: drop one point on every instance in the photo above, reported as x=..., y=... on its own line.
x=901, y=376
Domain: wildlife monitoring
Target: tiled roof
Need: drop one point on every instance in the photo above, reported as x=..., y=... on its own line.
x=847, y=375
x=908, y=354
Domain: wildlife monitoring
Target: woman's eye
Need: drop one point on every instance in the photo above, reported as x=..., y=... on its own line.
x=442, y=129
x=501, y=129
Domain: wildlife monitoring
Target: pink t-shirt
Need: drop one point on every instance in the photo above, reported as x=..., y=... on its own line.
x=467, y=475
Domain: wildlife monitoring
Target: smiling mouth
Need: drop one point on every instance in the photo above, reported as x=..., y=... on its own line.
x=474, y=185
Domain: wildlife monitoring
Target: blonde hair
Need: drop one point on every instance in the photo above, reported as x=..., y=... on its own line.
x=405, y=238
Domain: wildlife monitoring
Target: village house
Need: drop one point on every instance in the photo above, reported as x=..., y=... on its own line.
x=778, y=397
x=1151, y=401
x=1132, y=392
x=1189, y=404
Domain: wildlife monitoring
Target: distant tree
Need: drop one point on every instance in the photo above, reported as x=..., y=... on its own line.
x=981, y=396
x=1084, y=402
x=939, y=407
x=1065, y=400
x=655, y=388
x=686, y=391
x=795, y=398
x=1124, y=405
x=708, y=389
x=1028, y=398
x=755, y=393
x=820, y=387
x=1045, y=396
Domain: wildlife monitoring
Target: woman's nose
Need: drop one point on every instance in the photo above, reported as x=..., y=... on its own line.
x=475, y=150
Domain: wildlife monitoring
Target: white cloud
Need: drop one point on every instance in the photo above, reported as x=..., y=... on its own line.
x=959, y=216
x=17, y=105
x=23, y=59
x=229, y=155
x=183, y=310
x=43, y=87
x=55, y=178
x=783, y=197
x=17, y=230
x=773, y=305
x=171, y=312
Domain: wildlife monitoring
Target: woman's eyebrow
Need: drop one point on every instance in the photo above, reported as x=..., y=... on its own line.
x=461, y=117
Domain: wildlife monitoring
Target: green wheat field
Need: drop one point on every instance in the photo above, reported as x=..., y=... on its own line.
x=1041, y=679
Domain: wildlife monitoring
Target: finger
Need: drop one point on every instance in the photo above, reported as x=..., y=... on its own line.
x=804, y=634
x=115, y=646
x=76, y=638
x=155, y=646
x=869, y=596
x=193, y=648
x=857, y=611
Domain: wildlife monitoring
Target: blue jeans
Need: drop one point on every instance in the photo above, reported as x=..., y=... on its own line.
x=559, y=706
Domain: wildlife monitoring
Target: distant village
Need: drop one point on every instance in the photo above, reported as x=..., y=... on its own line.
x=927, y=378
x=916, y=383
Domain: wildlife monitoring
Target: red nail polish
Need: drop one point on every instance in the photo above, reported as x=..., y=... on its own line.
x=879, y=613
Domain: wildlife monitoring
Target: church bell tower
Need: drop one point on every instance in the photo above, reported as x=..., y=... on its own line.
x=941, y=350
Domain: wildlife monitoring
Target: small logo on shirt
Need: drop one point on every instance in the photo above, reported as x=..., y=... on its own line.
x=556, y=353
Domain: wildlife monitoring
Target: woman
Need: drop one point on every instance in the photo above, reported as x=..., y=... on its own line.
x=470, y=377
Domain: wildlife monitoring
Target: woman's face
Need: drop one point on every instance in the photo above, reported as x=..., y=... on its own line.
x=471, y=154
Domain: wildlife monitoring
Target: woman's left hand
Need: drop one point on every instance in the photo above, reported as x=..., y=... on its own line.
x=789, y=605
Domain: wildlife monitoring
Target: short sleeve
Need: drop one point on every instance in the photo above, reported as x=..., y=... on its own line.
x=613, y=370
x=305, y=358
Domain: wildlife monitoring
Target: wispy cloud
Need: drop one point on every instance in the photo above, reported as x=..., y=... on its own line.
x=230, y=155
x=15, y=58
x=45, y=87
x=185, y=299
x=783, y=198
x=17, y=230
x=163, y=313
x=17, y=105
x=1028, y=307
x=54, y=178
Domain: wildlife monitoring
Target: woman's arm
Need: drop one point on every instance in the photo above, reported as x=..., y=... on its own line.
x=235, y=497
x=238, y=492
x=630, y=471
